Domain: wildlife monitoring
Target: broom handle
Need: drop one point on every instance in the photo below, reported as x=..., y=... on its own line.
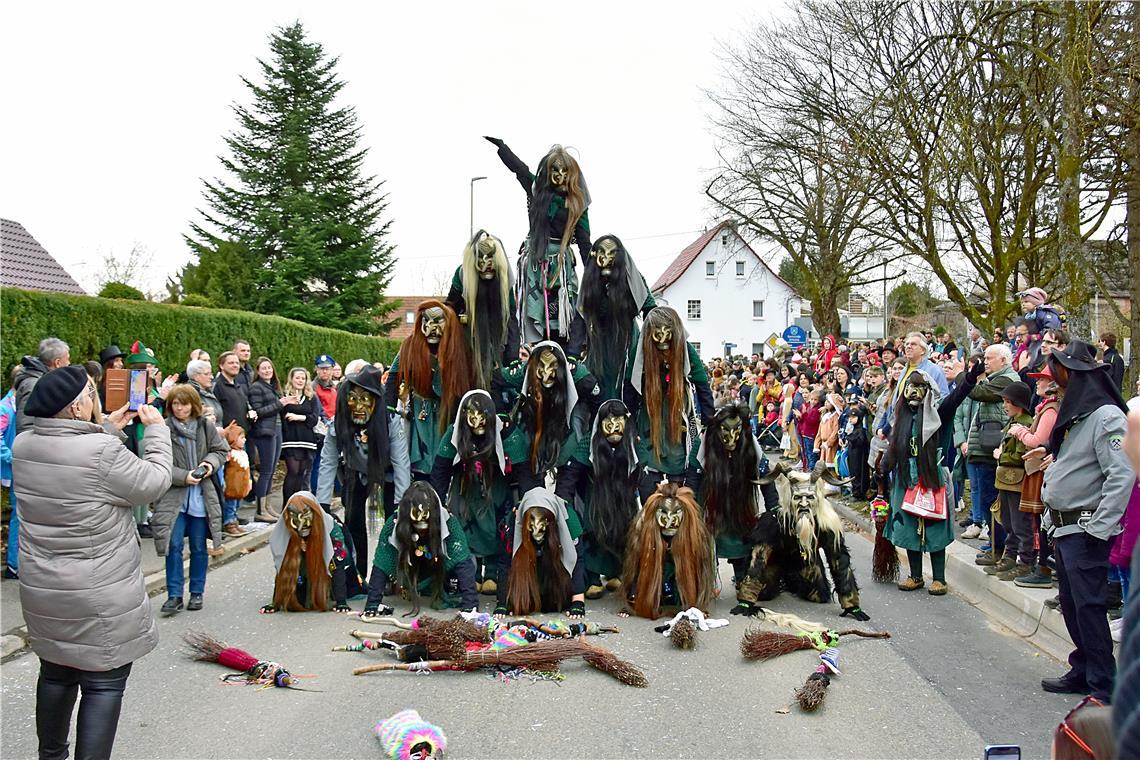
x=429, y=665
x=391, y=621
x=363, y=634
x=866, y=634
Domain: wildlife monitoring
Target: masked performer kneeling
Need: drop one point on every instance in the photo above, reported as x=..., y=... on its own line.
x=787, y=543
x=669, y=560
x=479, y=494
x=732, y=466
x=545, y=573
x=609, y=500
x=312, y=559
x=663, y=367
x=424, y=549
x=483, y=295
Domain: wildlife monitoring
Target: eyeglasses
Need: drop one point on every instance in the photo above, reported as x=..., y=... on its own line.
x=1070, y=732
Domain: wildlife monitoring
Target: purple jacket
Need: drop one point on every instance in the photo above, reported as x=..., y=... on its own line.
x=1121, y=554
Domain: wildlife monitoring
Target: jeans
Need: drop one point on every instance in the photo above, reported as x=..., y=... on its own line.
x=195, y=528
x=13, y=533
x=810, y=457
x=982, y=490
x=316, y=469
x=99, y=708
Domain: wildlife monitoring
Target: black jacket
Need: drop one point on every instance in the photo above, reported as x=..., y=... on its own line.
x=1115, y=367
x=234, y=402
x=264, y=400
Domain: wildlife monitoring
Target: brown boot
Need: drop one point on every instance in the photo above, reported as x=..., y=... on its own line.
x=233, y=529
x=938, y=588
x=1005, y=563
x=911, y=584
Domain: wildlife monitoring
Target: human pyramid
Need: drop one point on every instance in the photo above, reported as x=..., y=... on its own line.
x=590, y=461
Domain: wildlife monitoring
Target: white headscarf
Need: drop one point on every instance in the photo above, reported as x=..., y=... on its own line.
x=279, y=538
x=540, y=497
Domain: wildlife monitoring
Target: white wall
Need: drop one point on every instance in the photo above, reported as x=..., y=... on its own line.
x=726, y=300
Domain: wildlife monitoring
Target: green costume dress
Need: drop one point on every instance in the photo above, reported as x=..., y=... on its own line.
x=483, y=511
x=423, y=431
x=387, y=557
x=675, y=458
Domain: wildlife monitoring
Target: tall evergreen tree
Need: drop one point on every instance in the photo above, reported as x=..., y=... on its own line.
x=296, y=228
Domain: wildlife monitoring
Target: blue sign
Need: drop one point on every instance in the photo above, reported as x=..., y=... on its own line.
x=795, y=336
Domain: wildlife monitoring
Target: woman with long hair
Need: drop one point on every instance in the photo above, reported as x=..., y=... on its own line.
x=192, y=507
x=265, y=432
x=298, y=440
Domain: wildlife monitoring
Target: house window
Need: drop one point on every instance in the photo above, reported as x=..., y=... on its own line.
x=758, y=348
x=694, y=310
x=410, y=317
x=697, y=347
x=710, y=269
x=740, y=269
x=757, y=309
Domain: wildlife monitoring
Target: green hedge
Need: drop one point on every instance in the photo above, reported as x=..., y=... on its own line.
x=89, y=324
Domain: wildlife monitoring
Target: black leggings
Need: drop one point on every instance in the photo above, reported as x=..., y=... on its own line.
x=266, y=453
x=297, y=468
x=99, y=709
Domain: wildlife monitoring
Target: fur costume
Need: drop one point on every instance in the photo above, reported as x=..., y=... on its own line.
x=239, y=481
x=431, y=373
x=669, y=559
x=549, y=420
x=664, y=366
x=544, y=571
x=787, y=547
x=407, y=736
x=424, y=550
x=483, y=295
x=311, y=559
x=479, y=494
x=613, y=294
x=557, y=199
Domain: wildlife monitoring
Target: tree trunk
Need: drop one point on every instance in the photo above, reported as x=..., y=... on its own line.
x=825, y=314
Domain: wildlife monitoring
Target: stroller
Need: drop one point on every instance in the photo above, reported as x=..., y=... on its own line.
x=770, y=436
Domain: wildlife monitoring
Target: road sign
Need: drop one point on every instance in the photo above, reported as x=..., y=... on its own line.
x=773, y=341
x=795, y=336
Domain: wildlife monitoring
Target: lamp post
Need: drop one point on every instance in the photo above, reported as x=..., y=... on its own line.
x=471, y=198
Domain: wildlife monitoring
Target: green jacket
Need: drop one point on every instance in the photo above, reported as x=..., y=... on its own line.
x=1011, y=448
x=990, y=412
x=674, y=459
x=387, y=556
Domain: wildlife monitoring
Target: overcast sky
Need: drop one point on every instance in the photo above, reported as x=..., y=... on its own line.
x=115, y=111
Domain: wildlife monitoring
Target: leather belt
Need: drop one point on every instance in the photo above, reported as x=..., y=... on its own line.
x=1063, y=519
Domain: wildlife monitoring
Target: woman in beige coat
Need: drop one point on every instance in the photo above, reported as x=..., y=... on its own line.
x=81, y=583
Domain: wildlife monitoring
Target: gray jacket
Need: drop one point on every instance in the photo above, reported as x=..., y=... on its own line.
x=31, y=370
x=1091, y=472
x=210, y=448
x=81, y=582
x=211, y=406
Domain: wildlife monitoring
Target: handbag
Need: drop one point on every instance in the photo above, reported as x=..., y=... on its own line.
x=1010, y=476
x=925, y=503
x=990, y=434
x=1031, y=493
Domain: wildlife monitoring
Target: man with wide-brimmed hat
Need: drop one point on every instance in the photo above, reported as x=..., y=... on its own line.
x=1088, y=480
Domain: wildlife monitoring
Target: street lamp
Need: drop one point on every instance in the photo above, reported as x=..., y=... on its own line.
x=471, y=197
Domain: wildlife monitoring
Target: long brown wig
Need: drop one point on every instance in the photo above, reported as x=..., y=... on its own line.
x=673, y=393
x=317, y=572
x=544, y=412
x=538, y=583
x=647, y=550
x=454, y=364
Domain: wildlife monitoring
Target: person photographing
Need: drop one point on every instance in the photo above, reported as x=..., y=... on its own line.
x=81, y=582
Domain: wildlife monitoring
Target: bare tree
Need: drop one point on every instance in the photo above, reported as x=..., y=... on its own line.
x=784, y=170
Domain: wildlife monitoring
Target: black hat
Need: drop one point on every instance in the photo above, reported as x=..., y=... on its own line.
x=369, y=378
x=1017, y=394
x=110, y=352
x=1077, y=355
x=55, y=391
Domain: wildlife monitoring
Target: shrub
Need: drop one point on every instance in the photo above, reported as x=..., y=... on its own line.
x=89, y=324
x=196, y=299
x=121, y=290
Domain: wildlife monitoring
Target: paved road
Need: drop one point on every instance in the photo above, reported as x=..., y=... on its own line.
x=943, y=687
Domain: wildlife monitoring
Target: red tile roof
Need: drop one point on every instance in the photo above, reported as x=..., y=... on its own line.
x=692, y=251
x=405, y=304
x=25, y=264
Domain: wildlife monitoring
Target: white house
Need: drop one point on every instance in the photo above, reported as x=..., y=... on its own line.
x=726, y=294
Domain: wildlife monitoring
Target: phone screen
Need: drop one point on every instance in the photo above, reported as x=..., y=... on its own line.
x=137, y=397
x=1002, y=752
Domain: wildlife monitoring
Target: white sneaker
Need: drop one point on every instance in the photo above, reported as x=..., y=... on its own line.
x=985, y=534
x=1116, y=629
x=971, y=532
x=961, y=505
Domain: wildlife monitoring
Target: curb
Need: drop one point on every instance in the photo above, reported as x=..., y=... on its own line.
x=15, y=642
x=1021, y=610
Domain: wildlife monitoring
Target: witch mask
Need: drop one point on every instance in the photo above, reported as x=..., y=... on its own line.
x=538, y=523
x=915, y=391
x=485, y=258
x=669, y=516
x=431, y=325
x=662, y=337
x=299, y=518
x=476, y=419
x=361, y=405
x=613, y=428
x=730, y=430
x=547, y=368
x=605, y=253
